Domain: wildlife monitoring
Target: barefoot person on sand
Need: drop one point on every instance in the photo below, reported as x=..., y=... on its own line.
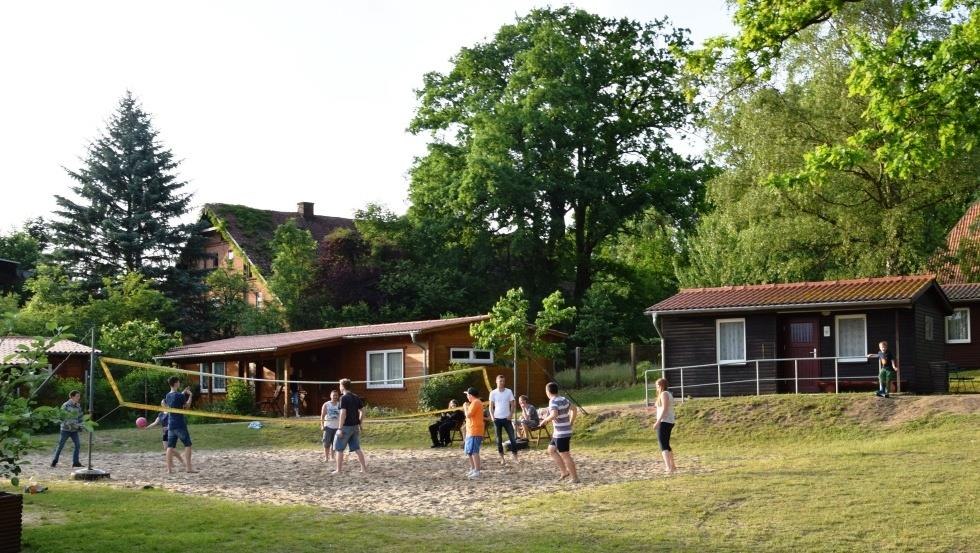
x=351, y=419
x=561, y=414
x=665, y=423
x=329, y=423
x=177, y=425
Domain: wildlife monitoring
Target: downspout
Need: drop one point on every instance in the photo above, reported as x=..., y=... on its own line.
x=425, y=351
x=663, y=362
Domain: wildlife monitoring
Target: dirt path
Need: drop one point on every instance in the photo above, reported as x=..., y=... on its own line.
x=428, y=482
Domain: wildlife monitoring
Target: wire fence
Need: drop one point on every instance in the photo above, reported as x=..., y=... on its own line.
x=762, y=383
x=617, y=364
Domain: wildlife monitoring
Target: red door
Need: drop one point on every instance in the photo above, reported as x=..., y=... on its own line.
x=800, y=340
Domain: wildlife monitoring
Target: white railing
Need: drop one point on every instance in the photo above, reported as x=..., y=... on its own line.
x=758, y=381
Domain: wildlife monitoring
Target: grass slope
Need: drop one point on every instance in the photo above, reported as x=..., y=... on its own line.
x=774, y=473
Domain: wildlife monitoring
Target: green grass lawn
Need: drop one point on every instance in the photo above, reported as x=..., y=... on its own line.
x=774, y=473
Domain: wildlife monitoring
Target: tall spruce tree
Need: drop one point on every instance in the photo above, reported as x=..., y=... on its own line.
x=129, y=204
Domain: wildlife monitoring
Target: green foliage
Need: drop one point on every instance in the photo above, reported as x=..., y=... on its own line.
x=435, y=392
x=141, y=386
x=22, y=247
x=240, y=397
x=557, y=131
x=780, y=213
x=508, y=323
x=20, y=415
x=910, y=68
x=233, y=315
x=137, y=340
x=294, y=265
x=600, y=324
x=129, y=204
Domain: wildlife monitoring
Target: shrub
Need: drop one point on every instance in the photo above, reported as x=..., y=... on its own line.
x=213, y=407
x=435, y=393
x=144, y=386
x=240, y=397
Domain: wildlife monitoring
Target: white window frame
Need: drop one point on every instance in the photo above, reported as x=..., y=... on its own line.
x=471, y=360
x=930, y=328
x=837, y=319
x=718, y=323
x=203, y=379
x=384, y=355
x=224, y=374
x=967, y=321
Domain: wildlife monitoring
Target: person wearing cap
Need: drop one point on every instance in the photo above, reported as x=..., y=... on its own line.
x=473, y=410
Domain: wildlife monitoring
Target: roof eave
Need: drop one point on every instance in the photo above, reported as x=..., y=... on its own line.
x=797, y=306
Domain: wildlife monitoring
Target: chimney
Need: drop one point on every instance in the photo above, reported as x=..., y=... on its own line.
x=305, y=210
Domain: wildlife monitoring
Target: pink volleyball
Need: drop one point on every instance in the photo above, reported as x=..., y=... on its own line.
x=141, y=422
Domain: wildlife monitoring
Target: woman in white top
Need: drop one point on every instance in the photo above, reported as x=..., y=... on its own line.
x=665, y=423
x=329, y=423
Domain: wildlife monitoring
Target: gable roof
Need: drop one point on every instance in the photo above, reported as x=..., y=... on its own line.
x=968, y=226
x=862, y=292
x=962, y=292
x=9, y=345
x=252, y=229
x=265, y=343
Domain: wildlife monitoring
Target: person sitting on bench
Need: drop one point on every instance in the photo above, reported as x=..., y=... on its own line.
x=439, y=430
x=529, y=417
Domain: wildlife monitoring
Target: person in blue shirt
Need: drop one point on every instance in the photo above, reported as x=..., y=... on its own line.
x=177, y=425
x=163, y=420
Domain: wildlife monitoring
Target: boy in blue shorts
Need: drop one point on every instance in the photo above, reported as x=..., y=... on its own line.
x=177, y=424
x=473, y=409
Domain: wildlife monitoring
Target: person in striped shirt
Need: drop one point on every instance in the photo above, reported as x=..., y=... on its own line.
x=561, y=415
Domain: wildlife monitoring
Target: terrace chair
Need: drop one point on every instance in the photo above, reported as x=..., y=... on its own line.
x=536, y=434
x=457, y=432
x=273, y=404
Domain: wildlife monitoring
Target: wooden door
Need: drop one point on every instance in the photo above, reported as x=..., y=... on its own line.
x=800, y=339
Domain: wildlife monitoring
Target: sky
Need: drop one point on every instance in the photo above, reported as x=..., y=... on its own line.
x=266, y=104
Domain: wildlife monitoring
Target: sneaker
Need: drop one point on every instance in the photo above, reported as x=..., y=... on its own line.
x=879, y=394
x=435, y=446
x=473, y=474
x=54, y=464
x=886, y=394
x=76, y=465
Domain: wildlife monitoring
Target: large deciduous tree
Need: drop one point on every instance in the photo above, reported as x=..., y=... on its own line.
x=781, y=215
x=554, y=134
x=294, y=266
x=129, y=201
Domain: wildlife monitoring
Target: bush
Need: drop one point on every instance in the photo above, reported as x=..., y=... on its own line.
x=435, y=393
x=144, y=386
x=240, y=397
x=214, y=407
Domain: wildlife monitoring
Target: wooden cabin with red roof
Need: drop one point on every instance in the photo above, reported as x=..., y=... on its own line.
x=385, y=356
x=746, y=334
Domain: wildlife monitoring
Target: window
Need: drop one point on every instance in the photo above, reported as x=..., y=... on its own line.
x=385, y=369
x=230, y=255
x=213, y=373
x=204, y=368
x=218, y=378
x=929, y=328
x=852, y=338
x=958, y=326
x=258, y=299
x=731, y=340
x=471, y=355
x=247, y=270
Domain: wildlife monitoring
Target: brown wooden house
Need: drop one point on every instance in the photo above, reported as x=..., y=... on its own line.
x=240, y=236
x=386, y=354
x=71, y=359
x=743, y=332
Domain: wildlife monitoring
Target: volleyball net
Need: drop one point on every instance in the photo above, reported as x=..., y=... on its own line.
x=142, y=386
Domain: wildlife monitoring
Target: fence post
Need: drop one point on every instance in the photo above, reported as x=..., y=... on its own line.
x=719, y=379
x=757, y=377
x=646, y=389
x=796, y=375
x=578, y=366
x=632, y=363
x=836, y=384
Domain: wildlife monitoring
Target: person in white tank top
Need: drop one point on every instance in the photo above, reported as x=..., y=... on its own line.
x=665, y=423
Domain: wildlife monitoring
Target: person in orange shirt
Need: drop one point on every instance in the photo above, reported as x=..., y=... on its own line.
x=473, y=409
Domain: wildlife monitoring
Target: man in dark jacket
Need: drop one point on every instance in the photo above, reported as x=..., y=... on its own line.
x=439, y=431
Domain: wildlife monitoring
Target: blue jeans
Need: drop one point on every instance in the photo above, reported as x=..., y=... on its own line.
x=504, y=424
x=61, y=444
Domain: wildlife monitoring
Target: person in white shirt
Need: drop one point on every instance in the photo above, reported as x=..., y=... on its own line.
x=502, y=404
x=665, y=423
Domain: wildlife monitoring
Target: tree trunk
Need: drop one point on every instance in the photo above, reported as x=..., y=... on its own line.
x=583, y=257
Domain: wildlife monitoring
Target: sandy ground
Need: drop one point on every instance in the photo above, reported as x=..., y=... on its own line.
x=406, y=482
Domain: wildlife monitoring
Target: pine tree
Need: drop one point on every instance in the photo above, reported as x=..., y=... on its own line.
x=130, y=202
